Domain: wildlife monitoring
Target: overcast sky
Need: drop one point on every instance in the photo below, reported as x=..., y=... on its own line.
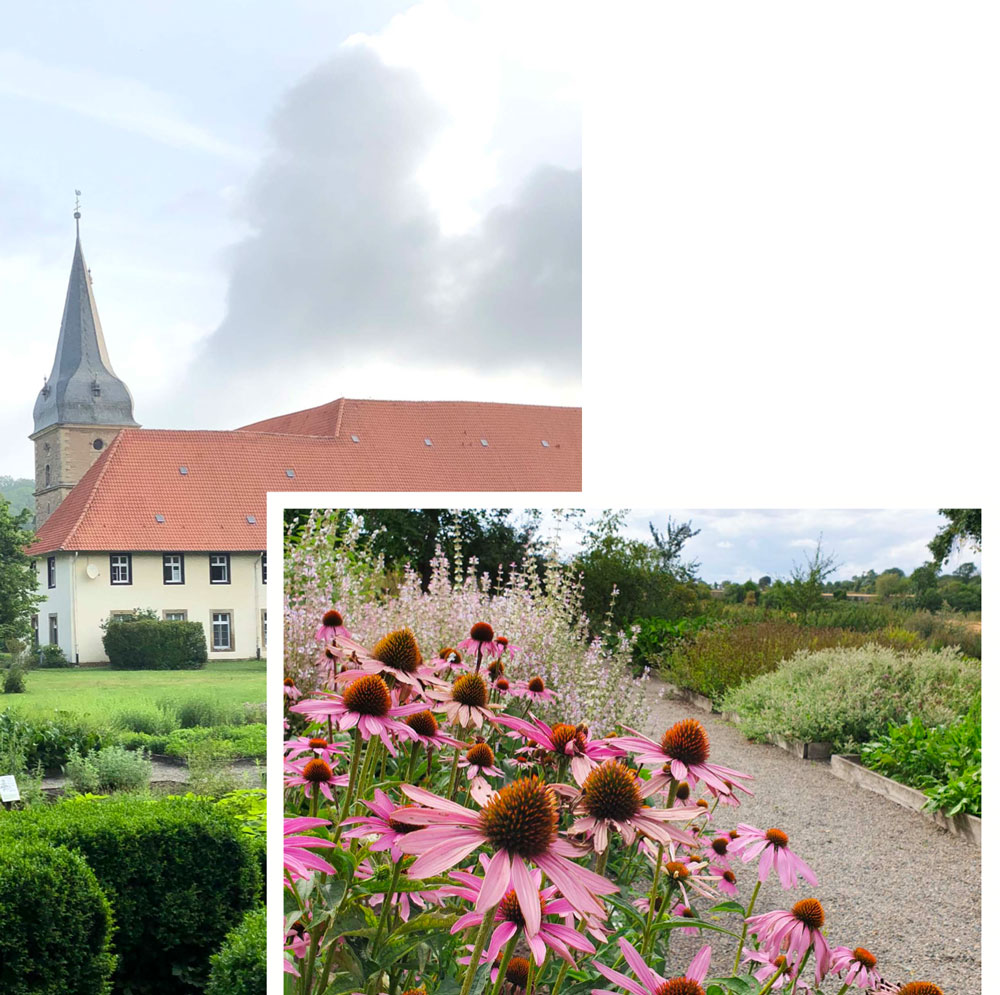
x=746, y=544
x=286, y=205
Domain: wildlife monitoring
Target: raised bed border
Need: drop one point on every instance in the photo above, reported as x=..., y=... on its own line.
x=798, y=748
x=848, y=767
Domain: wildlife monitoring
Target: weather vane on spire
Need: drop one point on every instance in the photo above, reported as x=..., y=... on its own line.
x=76, y=212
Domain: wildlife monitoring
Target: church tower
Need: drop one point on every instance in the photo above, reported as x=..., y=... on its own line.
x=83, y=404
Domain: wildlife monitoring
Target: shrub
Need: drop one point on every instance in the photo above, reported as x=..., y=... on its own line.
x=240, y=967
x=13, y=680
x=179, y=875
x=154, y=719
x=47, y=742
x=153, y=742
x=199, y=710
x=209, y=771
x=658, y=636
x=249, y=807
x=725, y=655
x=847, y=696
x=112, y=768
x=55, y=923
x=231, y=742
x=51, y=656
x=944, y=761
x=150, y=644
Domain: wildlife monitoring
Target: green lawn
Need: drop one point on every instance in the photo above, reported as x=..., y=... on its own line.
x=99, y=692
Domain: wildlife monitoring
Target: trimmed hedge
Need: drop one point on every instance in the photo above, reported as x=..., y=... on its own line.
x=179, y=874
x=240, y=967
x=55, y=923
x=151, y=644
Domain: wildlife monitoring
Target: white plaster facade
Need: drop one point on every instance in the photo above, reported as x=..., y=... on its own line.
x=84, y=596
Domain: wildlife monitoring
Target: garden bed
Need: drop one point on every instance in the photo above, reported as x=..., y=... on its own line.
x=849, y=768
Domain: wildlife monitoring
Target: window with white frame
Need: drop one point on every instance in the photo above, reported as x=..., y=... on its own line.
x=222, y=631
x=173, y=568
x=263, y=627
x=263, y=568
x=121, y=568
x=52, y=571
x=54, y=630
x=175, y=616
x=218, y=568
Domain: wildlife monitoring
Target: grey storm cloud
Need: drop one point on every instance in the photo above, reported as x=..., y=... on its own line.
x=347, y=256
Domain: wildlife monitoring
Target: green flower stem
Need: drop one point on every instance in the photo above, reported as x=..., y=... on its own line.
x=314, y=801
x=771, y=981
x=647, y=933
x=368, y=768
x=352, y=782
x=743, y=935
x=454, y=775
x=397, y=869
x=305, y=984
x=508, y=952
x=531, y=975
x=477, y=950
x=672, y=793
x=324, y=981
x=554, y=990
x=602, y=860
x=844, y=988
x=802, y=964
x=412, y=765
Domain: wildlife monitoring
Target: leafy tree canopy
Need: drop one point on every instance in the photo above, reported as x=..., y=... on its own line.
x=964, y=528
x=492, y=537
x=19, y=597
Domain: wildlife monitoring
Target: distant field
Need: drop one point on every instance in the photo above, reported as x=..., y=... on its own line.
x=98, y=691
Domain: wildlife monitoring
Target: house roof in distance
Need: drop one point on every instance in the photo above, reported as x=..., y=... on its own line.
x=206, y=486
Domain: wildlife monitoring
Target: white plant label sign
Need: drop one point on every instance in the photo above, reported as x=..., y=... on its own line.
x=8, y=789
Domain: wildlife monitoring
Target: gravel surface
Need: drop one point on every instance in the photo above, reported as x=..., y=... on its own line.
x=889, y=879
x=174, y=773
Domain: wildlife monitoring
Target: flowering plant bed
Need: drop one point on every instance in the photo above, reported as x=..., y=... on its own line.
x=441, y=839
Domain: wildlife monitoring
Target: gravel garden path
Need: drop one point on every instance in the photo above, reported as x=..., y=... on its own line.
x=167, y=772
x=889, y=879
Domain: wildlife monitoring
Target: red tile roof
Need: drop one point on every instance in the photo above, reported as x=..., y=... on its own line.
x=137, y=477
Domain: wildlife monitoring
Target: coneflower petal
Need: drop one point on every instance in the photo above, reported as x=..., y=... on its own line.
x=440, y=858
x=496, y=881
x=641, y=969
x=527, y=896
x=619, y=979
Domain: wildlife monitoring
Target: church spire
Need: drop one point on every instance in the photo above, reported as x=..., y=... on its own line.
x=82, y=388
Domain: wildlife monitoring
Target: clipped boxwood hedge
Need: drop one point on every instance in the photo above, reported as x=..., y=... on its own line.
x=55, y=923
x=240, y=967
x=151, y=644
x=179, y=873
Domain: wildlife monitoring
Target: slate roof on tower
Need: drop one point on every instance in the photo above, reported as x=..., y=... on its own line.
x=207, y=485
x=82, y=388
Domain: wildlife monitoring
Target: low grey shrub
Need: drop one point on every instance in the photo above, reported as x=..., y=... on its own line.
x=112, y=768
x=849, y=696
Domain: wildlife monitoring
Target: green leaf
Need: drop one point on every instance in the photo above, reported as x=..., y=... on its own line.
x=729, y=907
